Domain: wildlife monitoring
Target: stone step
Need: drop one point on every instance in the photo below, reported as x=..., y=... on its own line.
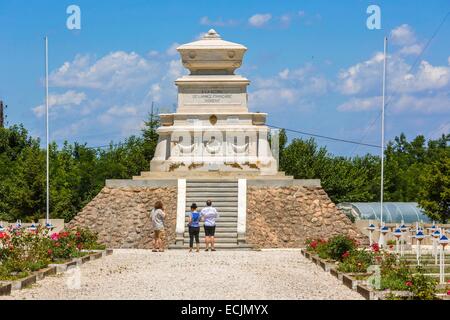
x=218, y=246
x=225, y=219
x=220, y=207
x=211, y=187
x=225, y=224
x=216, y=199
x=217, y=240
x=222, y=213
x=216, y=204
x=217, y=235
x=220, y=182
x=221, y=194
x=219, y=225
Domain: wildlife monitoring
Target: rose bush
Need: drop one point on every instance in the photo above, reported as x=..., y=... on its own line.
x=23, y=250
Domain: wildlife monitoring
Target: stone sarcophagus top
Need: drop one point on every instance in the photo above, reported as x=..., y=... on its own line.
x=212, y=129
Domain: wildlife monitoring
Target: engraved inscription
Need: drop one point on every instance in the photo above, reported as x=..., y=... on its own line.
x=233, y=96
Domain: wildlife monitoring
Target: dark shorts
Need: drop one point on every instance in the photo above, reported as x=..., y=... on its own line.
x=209, y=231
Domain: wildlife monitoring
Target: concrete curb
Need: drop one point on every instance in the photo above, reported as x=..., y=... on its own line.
x=347, y=279
x=52, y=269
x=41, y=274
x=22, y=283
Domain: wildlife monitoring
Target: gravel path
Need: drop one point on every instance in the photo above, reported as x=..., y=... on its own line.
x=142, y=274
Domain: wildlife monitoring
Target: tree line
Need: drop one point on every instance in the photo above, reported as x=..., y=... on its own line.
x=416, y=170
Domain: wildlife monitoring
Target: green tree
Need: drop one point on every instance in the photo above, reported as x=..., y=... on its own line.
x=434, y=196
x=150, y=136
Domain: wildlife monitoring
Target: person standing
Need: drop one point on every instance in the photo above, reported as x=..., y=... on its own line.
x=157, y=217
x=194, y=228
x=209, y=214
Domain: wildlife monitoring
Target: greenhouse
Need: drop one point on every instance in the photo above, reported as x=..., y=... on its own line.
x=393, y=212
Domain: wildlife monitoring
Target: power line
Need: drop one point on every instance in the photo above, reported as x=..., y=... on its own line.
x=326, y=137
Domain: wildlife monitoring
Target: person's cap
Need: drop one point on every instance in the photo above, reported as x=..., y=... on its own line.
x=194, y=206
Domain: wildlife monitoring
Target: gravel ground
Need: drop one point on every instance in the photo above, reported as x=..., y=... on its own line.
x=142, y=274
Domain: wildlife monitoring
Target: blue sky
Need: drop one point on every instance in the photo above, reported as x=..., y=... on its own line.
x=314, y=65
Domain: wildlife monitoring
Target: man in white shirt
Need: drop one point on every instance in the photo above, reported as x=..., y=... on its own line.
x=209, y=214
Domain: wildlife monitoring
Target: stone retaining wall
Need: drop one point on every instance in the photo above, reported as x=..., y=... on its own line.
x=282, y=217
x=121, y=216
x=285, y=217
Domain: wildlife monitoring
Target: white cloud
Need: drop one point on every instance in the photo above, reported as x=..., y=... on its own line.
x=118, y=70
x=289, y=88
x=361, y=76
x=403, y=35
x=121, y=88
x=439, y=103
x=66, y=99
x=423, y=89
x=366, y=77
x=414, y=49
x=284, y=74
x=259, y=20
x=361, y=104
x=172, y=50
x=427, y=77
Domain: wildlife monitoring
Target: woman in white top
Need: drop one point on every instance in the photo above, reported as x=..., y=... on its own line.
x=209, y=214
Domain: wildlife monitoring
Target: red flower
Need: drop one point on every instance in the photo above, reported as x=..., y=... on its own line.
x=345, y=254
x=50, y=252
x=375, y=247
x=313, y=244
x=54, y=236
x=448, y=293
x=79, y=246
x=3, y=235
x=408, y=283
x=391, y=246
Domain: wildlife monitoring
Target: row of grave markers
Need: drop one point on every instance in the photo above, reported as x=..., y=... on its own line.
x=439, y=240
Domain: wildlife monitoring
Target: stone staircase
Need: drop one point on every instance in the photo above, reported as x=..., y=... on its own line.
x=224, y=197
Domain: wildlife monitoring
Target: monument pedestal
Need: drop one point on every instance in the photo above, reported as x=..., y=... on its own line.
x=212, y=130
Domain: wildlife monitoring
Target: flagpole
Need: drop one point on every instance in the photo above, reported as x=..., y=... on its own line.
x=47, y=215
x=382, y=141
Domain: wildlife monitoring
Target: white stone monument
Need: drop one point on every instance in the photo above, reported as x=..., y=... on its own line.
x=212, y=129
